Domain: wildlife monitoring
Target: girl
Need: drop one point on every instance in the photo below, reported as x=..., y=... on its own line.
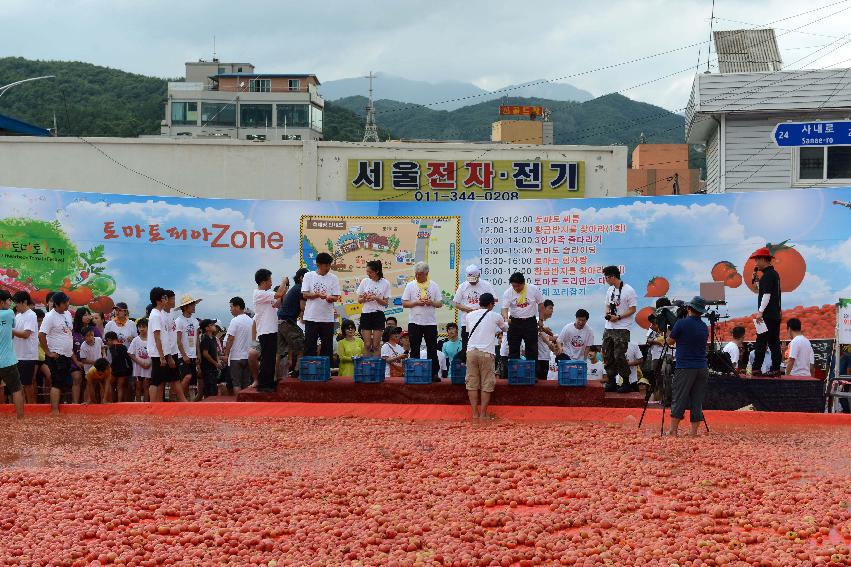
x=138, y=352
x=374, y=294
x=393, y=352
x=349, y=348
x=82, y=318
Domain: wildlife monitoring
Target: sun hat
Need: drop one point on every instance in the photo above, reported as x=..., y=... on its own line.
x=187, y=299
x=763, y=252
x=698, y=304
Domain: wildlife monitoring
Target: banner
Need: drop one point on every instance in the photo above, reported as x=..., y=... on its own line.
x=515, y=110
x=105, y=248
x=843, y=322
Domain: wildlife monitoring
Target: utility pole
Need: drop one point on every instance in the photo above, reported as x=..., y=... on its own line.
x=370, y=132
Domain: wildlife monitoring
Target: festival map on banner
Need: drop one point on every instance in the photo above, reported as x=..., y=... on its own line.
x=105, y=248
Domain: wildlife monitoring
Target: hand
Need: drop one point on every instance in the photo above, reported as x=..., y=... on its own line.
x=185, y=359
x=50, y=354
x=759, y=320
x=330, y=298
x=171, y=363
x=285, y=282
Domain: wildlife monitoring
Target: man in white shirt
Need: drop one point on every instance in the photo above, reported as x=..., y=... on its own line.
x=162, y=346
x=575, y=338
x=801, y=356
x=25, y=341
x=320, y=289
x=237, y=343
x=734, y=347
x=481, y=371
x=422, y=296
x=57, y=341
x=266, y=303
x=545, y=339
x=522, y=302
x=621, y=303
x=467, y=295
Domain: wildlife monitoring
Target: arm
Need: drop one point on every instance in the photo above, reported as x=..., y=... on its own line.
x=206, y=356
x=301, y=305
x=158, y=344
x=790, y=363
x=183, y=354
x=228, y=345
x=42, y=340
x=22, y=334
x=282, y=289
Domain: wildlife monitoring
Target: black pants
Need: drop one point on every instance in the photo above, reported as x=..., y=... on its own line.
x=525, y=330
x=771, y=340
x=314, y=332
x=268, y=351
x=542, y=369
x=416, y=334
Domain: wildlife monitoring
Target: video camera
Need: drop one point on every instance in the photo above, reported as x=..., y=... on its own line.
x=668, y=312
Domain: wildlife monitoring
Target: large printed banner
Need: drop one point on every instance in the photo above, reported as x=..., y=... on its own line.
x=103, y=248
x=843, y=321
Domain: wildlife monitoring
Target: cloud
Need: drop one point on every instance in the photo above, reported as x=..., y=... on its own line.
x=839, y=254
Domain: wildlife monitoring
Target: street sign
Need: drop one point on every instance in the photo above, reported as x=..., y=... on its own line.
x=798, y=134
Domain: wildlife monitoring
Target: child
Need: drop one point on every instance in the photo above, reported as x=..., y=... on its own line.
x=91, y=348
x=393, y=352
x=735, y=347
x=121, y=365
x=210, y=363
x=451, y=346
x=138, y=352
x=237, y=345
x=187, y=342
x=98, y=382
x=595, y=364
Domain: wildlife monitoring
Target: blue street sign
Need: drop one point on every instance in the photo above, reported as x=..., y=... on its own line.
x=797, y=134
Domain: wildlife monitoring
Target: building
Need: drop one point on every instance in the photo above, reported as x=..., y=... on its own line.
x=527, y=130
x=231, y=100
x=661, y=169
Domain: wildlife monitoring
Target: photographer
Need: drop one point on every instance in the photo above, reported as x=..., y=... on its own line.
x=621, y=302
x=692, y=373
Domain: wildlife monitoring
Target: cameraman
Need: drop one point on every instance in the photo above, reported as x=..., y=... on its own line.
x=621, y=302
x=692, y=373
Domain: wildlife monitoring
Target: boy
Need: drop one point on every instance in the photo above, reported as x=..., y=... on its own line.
x=160, y=347
x=209, y=358
x=238, y=339
x=57, y=340
x=481, y=371
x=25, y=339
x=595, y=363
x=120, y=364
x=801, y=356
x=8, y=361
x=266, y=303
x=186, y=326
x=138, y=352
x=734, y=347
x=451, y=346
x=575, y=338
x=91, y=348
x=98, y=382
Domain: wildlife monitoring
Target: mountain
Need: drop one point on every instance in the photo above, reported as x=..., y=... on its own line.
x=446, y=95
x=343, y=125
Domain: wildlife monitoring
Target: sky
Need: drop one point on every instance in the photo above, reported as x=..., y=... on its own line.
x=491, y=44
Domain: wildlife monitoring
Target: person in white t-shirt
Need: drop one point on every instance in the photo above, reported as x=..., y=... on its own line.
x=266, y=303
x=138, y=351
x=546, y=342
x=467, y=295
x=374, y=296
x=735, y=346
x=621, y=304
x=575, y=338
x=186, y=327
x=595, y=363
x=801, y=360
x=423, y=296
x=321, y=290
x=57, y=341
x=237, y=343
x=25, y=342
x=634, y=358
x=121, y=324
x=481, y=370
x=521, y=303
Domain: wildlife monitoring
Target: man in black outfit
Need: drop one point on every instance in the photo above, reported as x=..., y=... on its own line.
x=768, y=302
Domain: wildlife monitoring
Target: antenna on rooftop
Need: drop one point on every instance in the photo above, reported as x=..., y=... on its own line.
x=214, y=49
x=370, y=132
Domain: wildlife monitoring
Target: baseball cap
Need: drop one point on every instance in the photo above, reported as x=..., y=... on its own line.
x=473, y=273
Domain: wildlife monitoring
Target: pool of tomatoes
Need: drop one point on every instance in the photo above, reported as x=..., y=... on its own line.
x=816, y=323
x=85, y=490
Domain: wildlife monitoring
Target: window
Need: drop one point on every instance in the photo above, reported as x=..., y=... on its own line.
x=295, y=84
x=184, y=113
x=316, y=118
x=222, y=70
x=823, y=164
x=260, y=85
x=293, y=115
x=255, y=115
x=218, y=114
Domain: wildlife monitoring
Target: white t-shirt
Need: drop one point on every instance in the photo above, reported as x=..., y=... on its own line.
x=484, y=337
x=57, y=328
x=188, y=326
x=595, y=371
x=155, y=324
x=802, y=351
x=26, y=349
x=240, y=330
x=319, y=310
x=527, y=309
x=732, y=349
x=655, y=349
x=388, y=350
x=544, y=351
x=633, y=353
x=623, y=299
x=380, y=288
x=573, y=341
x=265, y=315
x=169, y=331
x=468, y=294
x=92, y=351
x=139, y=349
x=422, y=314
x=126, y=332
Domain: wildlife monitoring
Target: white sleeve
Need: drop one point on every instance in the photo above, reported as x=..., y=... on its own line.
x=265, y=296
x=458, y=297
x=406, y=293
x=539, y=297
x=436, y=289
x=589, y=339
x=631, y=299
x=500, y=322
x=764, y=303
x=307, y=283
x=361, y=286
x=505, y=296
x=561, y=336
x=335, y=286
x=385, y=293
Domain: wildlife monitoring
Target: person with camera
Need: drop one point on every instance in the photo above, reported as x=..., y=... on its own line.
x=770, y=313
x=621, y=303
x=692, y=374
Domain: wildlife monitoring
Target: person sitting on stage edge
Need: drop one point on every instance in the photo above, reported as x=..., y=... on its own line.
x=692, y=373
x=735, y=346
x=801, y=356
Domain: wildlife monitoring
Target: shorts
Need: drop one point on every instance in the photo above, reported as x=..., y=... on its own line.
x=372, y=321
x=60, y=373
x=190, y=369
x=290, y=338
x=26, y=370
x=481, y=373
x=240, y=374
x=12, y=378
x=160, y=374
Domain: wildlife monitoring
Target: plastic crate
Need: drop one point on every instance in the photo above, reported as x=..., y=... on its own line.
x=521, y=372
x=314, y=369
x=572, y=373
x=418, y=371
x=459, y=372
x=369, y=370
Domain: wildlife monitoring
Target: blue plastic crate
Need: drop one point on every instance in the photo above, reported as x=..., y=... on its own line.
x=459, y=372
x=521, y=372
x=418, y=371
x=369, y=370
x=314, y=369
x=572, y=373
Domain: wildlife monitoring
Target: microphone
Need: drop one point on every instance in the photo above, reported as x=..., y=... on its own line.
x=755, y=277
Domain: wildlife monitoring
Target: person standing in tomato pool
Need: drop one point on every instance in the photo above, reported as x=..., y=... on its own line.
x=26, y=343
x=770, y=313
x=57, y=340
x=121, y=324
x=8, y=361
